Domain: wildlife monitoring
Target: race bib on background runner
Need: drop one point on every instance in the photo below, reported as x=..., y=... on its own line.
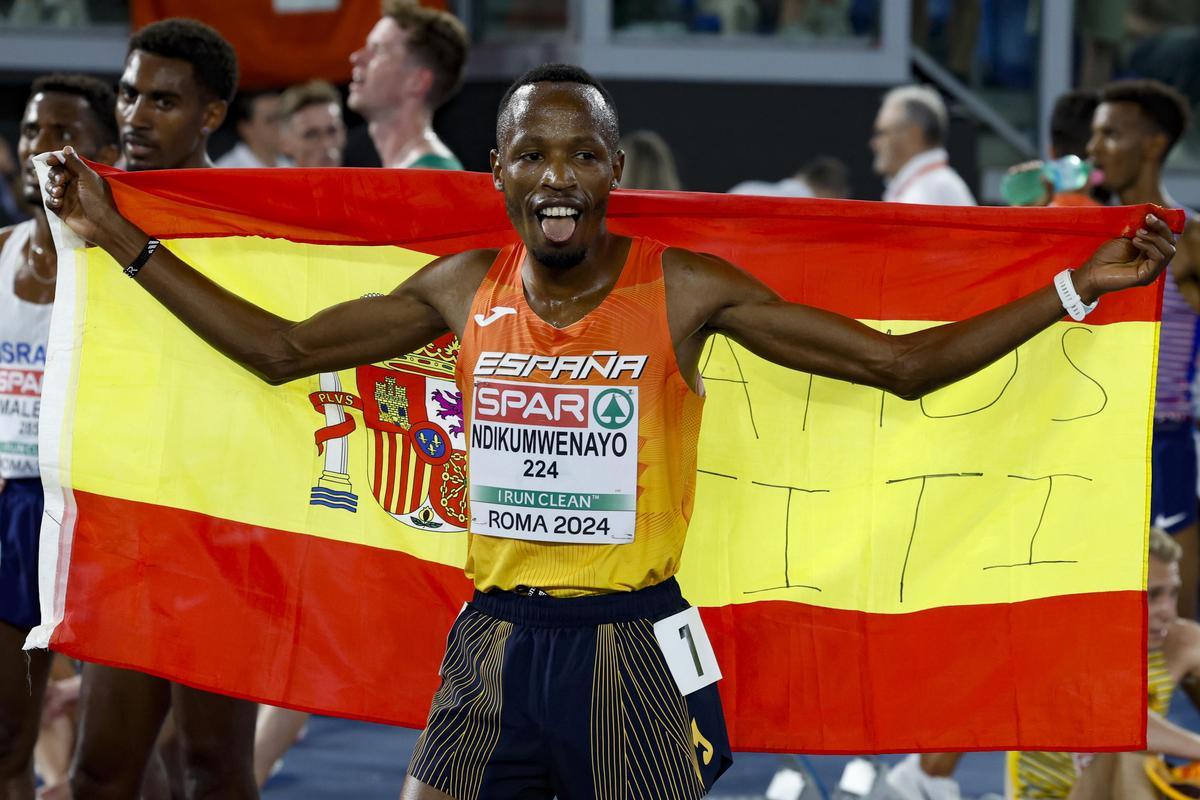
x=554, y=463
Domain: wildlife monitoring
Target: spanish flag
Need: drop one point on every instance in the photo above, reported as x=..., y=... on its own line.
x=965, y=571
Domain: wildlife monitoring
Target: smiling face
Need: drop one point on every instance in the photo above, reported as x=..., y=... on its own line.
x=1162, y=584
x=164, y=114
x=52, y=121
x=385, y=73
x=1124, y=143
x=556, y=170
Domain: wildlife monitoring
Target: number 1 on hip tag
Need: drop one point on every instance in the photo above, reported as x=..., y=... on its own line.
x=689, y=654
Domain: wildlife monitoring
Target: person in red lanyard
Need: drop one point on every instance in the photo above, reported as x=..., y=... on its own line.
x=908, y=142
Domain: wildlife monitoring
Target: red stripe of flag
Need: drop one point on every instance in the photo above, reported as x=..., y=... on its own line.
x=330, y=609
x=879, y=261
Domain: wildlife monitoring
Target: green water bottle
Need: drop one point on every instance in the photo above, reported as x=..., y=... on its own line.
x=1027, y=187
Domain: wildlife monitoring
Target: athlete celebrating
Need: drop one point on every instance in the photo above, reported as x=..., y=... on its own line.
x=553, y=681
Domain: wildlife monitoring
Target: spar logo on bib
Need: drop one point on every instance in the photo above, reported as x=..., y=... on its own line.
x=531, y=404
x=613, y=409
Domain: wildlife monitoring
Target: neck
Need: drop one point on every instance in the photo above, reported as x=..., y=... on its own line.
x=41, y=230
x=266, y=157
x=1147, y=188
x=403, y=136
x=557, y=283
x=197, y=159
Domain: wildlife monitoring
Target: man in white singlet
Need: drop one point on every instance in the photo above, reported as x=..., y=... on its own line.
x=62, y=109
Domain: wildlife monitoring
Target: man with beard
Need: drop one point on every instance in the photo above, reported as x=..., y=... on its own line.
x=1133, y=130
x=62, y=109
x=178, y=80
x=553, y=682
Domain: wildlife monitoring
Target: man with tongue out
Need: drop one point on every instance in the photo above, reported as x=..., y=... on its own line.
x=554, y=680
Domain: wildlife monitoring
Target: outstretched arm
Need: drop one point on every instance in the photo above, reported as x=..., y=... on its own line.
x=276, y=349
x=1164, y=736
x=911, y=365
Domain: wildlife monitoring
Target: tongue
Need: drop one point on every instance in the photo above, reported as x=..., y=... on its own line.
x=558, y=229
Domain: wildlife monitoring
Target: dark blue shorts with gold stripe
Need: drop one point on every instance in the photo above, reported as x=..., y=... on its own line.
x=546, y=697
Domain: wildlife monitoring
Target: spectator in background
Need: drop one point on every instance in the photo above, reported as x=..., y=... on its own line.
x=825, y=176
x=648, y=163
x=1070, y=130
x=256, y=118
x=412, y=63
x=314, y=134
x=908, y=142
x=1173, y=660
x=1133, y=131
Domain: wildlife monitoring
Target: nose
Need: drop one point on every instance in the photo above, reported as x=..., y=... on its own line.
x=1092, y=146
x=558, y=174
x=1163, y=610
x=134, y=112
x=356, y=56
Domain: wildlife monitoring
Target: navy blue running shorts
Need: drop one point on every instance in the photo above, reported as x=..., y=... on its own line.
x=20, y=527
x=546, y=697
x=1173, y=476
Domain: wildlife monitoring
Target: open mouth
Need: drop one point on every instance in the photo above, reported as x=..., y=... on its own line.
x=558, y=222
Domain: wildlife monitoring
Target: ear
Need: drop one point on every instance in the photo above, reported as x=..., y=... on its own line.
x=1156, y=147
x=420, y=81
x=497, y=181
x=214, y=114
x=618, y=165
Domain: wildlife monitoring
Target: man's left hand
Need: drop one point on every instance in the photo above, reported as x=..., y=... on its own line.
x=1121, y=263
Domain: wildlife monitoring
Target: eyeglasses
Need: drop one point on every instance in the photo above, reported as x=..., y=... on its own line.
x=888, y=131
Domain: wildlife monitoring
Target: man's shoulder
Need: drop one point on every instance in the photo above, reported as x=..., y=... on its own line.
x=463, y=265
x=680, y=263
x=7, y=231
x=941, y=186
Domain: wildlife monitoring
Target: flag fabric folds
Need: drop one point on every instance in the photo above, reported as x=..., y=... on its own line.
x=965, y=571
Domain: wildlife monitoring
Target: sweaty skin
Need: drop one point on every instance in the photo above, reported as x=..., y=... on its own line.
x=554, y=152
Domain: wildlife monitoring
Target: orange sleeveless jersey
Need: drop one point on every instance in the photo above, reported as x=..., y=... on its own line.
x=581, y=440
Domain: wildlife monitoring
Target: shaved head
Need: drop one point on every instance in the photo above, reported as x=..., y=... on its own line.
x=515, y=102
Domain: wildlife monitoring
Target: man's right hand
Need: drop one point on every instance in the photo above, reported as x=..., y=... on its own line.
x=79, y=196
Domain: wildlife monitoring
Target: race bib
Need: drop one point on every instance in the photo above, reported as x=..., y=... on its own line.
x=688, y=653
x=554, y=463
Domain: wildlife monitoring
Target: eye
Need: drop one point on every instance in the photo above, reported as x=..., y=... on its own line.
x=586, y=155
x=530, y=157
x=164, y=103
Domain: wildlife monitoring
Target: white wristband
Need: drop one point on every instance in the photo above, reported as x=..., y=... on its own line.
x=1071, y=301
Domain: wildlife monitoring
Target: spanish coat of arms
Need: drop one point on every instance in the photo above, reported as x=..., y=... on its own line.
x=413, y=415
